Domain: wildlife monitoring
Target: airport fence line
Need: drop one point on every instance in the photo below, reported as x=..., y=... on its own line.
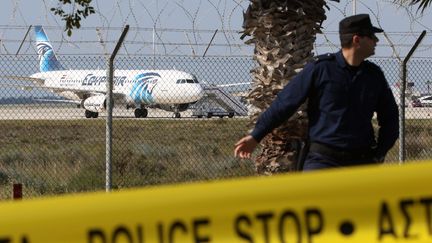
x=186, y=135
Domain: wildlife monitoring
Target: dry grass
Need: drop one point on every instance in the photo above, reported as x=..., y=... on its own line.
x=55, y=157
x=52, y=157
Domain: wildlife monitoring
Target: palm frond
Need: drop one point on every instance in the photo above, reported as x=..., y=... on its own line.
x=422, y=4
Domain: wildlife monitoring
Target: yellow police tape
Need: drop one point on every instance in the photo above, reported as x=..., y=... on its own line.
x=369, y=204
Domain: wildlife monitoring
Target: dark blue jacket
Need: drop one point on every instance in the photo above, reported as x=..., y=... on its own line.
x=341, y=105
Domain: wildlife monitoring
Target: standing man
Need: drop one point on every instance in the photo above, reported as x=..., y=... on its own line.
x=343, y=92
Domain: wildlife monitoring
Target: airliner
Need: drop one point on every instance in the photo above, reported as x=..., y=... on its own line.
x=169, y=90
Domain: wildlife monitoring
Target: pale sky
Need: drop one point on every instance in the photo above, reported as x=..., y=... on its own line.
x=209, y=15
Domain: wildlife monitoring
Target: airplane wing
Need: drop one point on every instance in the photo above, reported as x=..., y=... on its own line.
x=38, y=81
x=29, y=87
x=77, y=102
x=75, y=95
x=231, y=85
x=19, y=86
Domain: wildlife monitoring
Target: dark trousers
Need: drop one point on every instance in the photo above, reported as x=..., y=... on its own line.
x=324, y=158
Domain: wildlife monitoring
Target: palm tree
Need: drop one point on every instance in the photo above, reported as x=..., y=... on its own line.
x=422, y=4
x=283, y=32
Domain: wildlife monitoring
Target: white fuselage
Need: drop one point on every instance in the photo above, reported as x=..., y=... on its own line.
x=145, y=87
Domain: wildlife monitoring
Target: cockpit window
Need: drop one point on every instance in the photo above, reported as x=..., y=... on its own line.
x=188, y=81
x=194, y=78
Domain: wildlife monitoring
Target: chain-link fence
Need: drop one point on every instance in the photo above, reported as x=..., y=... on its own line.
x=50, y=146
x=186, y=132
x=417, y=111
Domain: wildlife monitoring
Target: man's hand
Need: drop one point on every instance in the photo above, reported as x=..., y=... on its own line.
x=244, y=147
x=377, y=157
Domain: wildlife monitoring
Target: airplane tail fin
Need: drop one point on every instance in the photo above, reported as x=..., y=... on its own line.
x=47, y=58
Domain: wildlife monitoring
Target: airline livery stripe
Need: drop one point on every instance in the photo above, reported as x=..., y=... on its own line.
x=143, y=87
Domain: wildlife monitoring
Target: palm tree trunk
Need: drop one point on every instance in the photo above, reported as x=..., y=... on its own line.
x=283, y=32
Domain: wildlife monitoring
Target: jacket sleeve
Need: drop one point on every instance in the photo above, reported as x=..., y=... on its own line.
x=388, y=121
x=286, y=103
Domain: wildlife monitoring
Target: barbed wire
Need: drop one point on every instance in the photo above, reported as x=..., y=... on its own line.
x=51, y=27
x=155, y=38
x=186, y=46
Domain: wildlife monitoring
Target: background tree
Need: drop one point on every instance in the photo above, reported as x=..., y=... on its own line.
x=77, y=9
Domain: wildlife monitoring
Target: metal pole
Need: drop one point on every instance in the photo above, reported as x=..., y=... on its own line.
x=402, y=152
x=154, y=48
x=354, y=7
x=208, y=46
x=109, y=106
x=190, y=43
x=17, y=191
x=22, y=42
x=428, y=86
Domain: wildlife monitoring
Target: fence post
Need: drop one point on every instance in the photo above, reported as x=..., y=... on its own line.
x=17, y=191
x=208, y=46
x=402, y=152
x=22, y=42
x=109, y=107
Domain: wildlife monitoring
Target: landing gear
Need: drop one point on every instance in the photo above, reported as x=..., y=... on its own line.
x=176, y=109
x=141, y=113
x=91, y=114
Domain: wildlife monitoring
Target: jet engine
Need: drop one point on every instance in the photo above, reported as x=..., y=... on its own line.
x=95, y=103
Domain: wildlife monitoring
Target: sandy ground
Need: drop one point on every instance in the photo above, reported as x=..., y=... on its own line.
x=418, y=113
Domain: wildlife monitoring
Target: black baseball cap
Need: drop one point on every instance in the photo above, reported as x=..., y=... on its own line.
x=358, y=24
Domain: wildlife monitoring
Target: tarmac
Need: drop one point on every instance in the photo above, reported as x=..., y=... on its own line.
x=55, y=112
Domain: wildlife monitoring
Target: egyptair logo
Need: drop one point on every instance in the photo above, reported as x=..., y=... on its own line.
x=42, y=48
x=142, y=90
